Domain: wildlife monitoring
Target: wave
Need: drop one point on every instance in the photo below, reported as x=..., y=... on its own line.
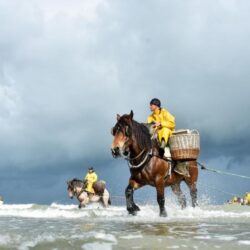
x=147, y=213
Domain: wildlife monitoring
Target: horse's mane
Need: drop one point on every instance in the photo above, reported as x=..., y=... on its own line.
x=141, y=134
x=139, y=130
x=76, y=182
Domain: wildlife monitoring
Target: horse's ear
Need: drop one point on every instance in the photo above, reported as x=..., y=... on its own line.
x=131, y=114
x=118, y=117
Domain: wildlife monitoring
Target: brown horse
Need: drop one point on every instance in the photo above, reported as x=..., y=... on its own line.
x=133, y=142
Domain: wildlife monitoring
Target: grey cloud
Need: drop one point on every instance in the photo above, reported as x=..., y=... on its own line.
x=66, y=70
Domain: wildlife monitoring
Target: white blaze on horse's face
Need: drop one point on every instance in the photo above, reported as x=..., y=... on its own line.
x=118, y=144
x=70, y=193
x=119, y=140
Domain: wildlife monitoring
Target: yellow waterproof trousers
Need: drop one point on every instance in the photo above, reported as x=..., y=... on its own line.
x=90, y=187
x=164, y=133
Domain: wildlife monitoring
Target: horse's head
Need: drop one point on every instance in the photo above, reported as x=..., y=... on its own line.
x=122, y=133
x=73, y=186
x=70, y=189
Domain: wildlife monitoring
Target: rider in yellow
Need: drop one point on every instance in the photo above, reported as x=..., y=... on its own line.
x=162, y=120
x=247, y=198
x=90, y=177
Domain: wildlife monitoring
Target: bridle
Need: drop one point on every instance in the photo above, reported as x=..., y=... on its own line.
x=74, y=191
x=127, y=157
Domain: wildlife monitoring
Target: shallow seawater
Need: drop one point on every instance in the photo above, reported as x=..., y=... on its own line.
x=31, y=226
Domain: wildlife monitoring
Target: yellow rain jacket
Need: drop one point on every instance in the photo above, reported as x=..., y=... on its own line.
x=167, y=123
x=247, y=198
x=91, y=178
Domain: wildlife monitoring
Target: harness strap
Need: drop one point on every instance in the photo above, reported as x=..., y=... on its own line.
x=81, y=191
x=131, y=159
x=150, y=153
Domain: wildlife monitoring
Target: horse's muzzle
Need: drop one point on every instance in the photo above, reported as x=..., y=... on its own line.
x=115, y=152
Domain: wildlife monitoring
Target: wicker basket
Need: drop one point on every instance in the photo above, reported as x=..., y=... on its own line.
x=184, y=144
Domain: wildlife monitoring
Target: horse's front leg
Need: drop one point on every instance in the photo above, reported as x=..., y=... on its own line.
x=160, y=188
x=82, y=202
x=129, y=193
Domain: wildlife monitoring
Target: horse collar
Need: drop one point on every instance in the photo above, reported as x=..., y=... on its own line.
x=81, y=191
x=131, y=159
x=142, y=162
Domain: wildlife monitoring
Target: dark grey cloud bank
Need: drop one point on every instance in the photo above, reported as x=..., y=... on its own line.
x=67, y=68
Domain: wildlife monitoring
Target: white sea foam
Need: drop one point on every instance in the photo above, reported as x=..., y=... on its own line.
x=4, y=240
x=131, y=236
x=205, y=237
x=26, y=245
x=106, y=237
x=226, y=238
x=16, y=206
x=244, y=242
x=97, y=245
x=62, y=206
x=148, y=213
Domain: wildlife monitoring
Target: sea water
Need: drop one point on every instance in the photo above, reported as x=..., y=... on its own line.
x=58, y=226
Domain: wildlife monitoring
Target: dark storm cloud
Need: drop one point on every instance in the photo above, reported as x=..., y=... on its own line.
x=67, y=68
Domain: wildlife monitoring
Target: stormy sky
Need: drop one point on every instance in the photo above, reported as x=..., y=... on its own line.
x=67, y=67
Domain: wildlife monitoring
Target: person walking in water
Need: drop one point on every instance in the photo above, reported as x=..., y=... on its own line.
x=162, y=121
x=90, y=178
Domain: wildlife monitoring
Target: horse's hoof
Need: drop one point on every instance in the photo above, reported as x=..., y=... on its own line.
x=184, y=205
x=79, y=206
x=163, y=214
x=136, y=208
x=195, y=205
x=134, y=213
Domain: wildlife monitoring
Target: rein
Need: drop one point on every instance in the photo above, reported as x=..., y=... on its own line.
x=78, y=194
x=81, y=191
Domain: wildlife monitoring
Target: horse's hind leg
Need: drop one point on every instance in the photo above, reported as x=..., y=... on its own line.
x=103, y=202
x=193, y=193
x=191, y=182
x=180, y=196
x=105, y=199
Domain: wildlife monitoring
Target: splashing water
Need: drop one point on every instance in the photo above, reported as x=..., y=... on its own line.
x=58, y=226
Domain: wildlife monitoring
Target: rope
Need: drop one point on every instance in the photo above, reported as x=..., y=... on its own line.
x=222, y=172
x=222, y=191
x=146, y=199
